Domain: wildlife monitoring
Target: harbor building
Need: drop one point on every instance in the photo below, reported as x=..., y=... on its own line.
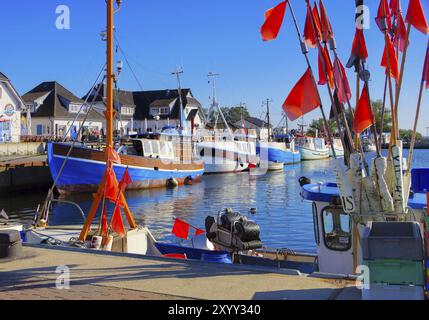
x=150, y=111
x=11, y=108
x=54, y=110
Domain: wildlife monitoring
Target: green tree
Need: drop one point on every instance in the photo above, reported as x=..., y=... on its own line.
x=407, y=135
x=232, y=114
x=318, y=125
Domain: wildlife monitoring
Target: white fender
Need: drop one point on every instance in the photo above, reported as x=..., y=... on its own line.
x=380, y=166
x=346, y=192
x=398, y=191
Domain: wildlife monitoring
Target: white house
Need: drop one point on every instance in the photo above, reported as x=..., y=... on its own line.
x=261, y=126
x=55, y=112
x=11, y=106
x=150, y=111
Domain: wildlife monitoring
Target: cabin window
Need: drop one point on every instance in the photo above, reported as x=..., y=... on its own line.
x=336, y=229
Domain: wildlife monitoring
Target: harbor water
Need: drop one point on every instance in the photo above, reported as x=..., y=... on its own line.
x=285, y=220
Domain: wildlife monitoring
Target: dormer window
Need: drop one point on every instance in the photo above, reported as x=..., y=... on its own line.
x=75, y=108
x=160, y=111
x=129, y=111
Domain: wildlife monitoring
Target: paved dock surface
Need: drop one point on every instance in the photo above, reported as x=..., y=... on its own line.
x=12, y=161
x=106, y=276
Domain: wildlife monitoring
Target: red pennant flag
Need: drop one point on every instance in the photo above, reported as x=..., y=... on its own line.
x=303, y=98
x=326, y=27
x=426, y=69
x=116, y=223
x=325, y=62
x=113, y=156
x=104, y=226
x=394, y=6
x=383, y=13
x=393, y=59
x=112, y=188
x=343, y=86
x=199, y=232
x=181, y=229
x=416, y=16
x=362, y=119
x=273, y=22
x=125, y=180
x=310, y=35
x=359, y=51
x=400, y=33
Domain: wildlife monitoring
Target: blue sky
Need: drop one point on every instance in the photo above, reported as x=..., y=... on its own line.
x=198, y=35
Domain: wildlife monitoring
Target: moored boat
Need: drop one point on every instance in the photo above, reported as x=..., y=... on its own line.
x=312, y=148
x=338, y=147
x=151, y=163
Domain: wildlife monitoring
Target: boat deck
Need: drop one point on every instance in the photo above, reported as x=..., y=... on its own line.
x=103, y=275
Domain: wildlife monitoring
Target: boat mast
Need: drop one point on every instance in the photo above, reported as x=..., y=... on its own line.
x=215, y=105
x=269, y=119
x=109, y=76
x=177, y=73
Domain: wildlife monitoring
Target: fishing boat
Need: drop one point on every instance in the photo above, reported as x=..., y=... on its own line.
x=312, y=148
x=275, y=153
x=222, y=150
x=152, y=161
x=368, y=145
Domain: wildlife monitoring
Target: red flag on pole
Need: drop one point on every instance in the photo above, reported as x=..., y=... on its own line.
x=383, y=14
x=125, y=180
x=180, y=229
x=112, y=188
x=273, y=21
x=359, y=51
x=362, y=119
x=326, y=27
x=394, y=6
x=310, y=35
x=303, y=98
x=416, y=16
x=393, y=59
x=343, y=86
x=400, y=33
x=426, y=69
x=325, y=62
x=113, y=156
x=104, y=225
x=116, y=223
x=199, y=232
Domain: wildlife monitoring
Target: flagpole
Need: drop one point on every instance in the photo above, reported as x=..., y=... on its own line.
x=304, y=50
x=333, y=48
x=348, y=147
x=383, y=111
x=416, y=119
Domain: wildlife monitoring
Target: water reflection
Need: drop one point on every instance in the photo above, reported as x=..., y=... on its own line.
x=285, y=220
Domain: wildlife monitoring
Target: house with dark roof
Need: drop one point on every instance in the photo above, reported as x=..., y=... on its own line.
x=11, y=107
x=150, y=111
x=261, y=126
x=56, y=111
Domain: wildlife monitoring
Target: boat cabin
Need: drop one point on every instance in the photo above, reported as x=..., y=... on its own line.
x=337, y=236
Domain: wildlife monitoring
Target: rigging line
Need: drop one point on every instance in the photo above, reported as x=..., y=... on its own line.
x=81, y=107
x=43, y=213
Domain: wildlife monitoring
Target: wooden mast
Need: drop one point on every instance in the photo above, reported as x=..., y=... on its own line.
x=109, y=115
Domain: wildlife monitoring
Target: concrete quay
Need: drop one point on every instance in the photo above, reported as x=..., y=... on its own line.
x=100, y=275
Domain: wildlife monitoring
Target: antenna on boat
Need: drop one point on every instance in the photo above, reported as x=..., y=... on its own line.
x=178, y=73
x=215, y=105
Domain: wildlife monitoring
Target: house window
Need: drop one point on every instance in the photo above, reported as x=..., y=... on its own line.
x=127, y=111
x=161, y=111
x=40, y=129
x=75, y=108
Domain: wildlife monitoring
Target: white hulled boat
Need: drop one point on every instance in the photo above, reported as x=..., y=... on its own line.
x=312, y=148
